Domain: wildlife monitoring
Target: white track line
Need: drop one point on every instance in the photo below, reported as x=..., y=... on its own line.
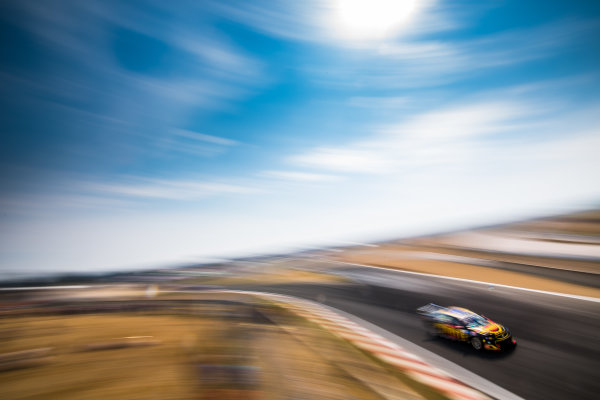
x=571, y=296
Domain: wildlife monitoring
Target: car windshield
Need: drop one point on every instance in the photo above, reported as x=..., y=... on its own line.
x=475, y=320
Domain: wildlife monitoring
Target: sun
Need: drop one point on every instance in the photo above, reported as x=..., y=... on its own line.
x=371, y=19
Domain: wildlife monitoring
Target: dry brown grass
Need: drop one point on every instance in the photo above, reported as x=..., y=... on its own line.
x=147, y=372
x=216, y=351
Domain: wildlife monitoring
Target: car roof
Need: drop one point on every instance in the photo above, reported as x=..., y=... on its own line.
x=458, y=312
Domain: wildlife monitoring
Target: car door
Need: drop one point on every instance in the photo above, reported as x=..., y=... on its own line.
x=451, y=327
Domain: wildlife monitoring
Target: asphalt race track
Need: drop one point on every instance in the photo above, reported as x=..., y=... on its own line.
x=558, y=352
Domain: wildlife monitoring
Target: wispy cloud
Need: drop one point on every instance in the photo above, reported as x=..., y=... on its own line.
x=167, y=189
x=202, y=137
x=474, y=119
x=354, y=158
x=129, y=114
x=192, y=142
x=415, y=62
x=417, y=55
x=78, y=194
x=299, y=176
x=451, y=136
x=297, y=20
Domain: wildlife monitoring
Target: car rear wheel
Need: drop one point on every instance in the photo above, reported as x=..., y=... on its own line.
x=431, y=330
x=476, y=343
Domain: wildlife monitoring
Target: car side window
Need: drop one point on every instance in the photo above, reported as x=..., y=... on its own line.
x=444, y=319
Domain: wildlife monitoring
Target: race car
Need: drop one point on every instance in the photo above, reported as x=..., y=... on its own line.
x=464, y=325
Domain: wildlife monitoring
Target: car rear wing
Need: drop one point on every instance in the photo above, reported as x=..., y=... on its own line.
x=429, y=309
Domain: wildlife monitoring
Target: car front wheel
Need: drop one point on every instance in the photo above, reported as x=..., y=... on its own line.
x=476, y=343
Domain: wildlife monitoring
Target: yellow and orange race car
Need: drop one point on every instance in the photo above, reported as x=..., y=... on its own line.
x=458, y=323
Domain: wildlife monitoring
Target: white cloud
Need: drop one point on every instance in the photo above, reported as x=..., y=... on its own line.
x=438, y=136
x=300, y=176
x=463, y=121
x=485, y=131
x=351, y=159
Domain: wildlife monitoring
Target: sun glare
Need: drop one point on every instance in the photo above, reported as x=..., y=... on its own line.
x=372, y=19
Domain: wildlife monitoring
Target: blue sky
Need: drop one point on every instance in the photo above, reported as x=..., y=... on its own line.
x=145, y=133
